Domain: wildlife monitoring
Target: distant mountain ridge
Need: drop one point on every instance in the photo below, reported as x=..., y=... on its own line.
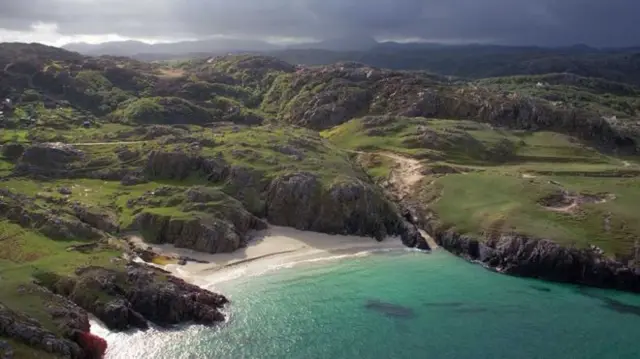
x=472, y=61
x=133, y=48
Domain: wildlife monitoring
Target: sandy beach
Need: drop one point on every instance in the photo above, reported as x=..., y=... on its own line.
x=270, y=249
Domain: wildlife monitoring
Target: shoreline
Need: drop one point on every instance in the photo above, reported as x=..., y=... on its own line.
x=271, y=249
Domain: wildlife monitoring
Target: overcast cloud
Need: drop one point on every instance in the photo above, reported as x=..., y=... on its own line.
x=543, y=22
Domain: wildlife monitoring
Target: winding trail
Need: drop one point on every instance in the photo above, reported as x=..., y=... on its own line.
x=404, y=177
x=406, y=174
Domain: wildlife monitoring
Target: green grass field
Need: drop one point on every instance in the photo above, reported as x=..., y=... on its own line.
x=497, y=194
x=494, y=201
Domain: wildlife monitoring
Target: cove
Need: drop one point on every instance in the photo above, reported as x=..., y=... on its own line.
x=401, y=304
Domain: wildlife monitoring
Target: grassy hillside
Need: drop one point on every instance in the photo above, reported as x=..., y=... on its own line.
x=484, y=181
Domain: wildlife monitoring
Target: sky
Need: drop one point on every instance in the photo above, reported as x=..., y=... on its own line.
x=513, y=22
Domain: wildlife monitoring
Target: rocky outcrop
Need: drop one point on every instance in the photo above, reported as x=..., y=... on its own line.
x=301, y=201
x=48, y=159
x=539, y=258
x=204, y=219
x=139, y=293
x=210, y=235
x=29, y=331
x=178, y=165
x=521, y=255
x=22, y=210
x=97, y=218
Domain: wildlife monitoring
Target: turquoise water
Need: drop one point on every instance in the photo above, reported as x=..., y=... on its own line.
x=402, y=305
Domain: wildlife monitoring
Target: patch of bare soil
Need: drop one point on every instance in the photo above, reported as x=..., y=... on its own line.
x=404, y=177
x=567, y=202
x=405, y=174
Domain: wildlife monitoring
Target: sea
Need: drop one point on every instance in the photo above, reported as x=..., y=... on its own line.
x=398, y=304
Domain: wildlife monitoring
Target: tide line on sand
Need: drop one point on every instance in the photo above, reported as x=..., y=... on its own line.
x=271, y=249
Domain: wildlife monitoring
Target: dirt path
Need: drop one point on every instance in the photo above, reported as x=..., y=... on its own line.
x=404, y=176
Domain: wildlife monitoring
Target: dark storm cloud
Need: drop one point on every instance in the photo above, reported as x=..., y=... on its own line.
x=550, y=22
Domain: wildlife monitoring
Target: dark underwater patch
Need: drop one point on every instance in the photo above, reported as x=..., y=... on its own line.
x=540, y=288
x=612, y=304
x=620, y=307
x=444, y=304
x=390, y=309
x=470, y=310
